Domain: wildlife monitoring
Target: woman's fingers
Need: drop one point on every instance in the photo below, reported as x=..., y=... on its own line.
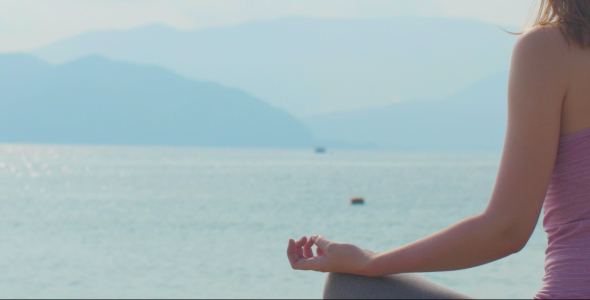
x=301, y=242
x=292, y=253
x=295, y=250
x=317, y=263
x=300, y=253
x=307, y=250
x=301, y=257
x=321, y=242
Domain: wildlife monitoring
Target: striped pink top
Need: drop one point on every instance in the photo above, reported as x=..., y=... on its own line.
x=567, y=221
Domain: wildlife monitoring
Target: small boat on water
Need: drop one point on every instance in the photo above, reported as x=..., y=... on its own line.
x=357, y=201
x=320, y=149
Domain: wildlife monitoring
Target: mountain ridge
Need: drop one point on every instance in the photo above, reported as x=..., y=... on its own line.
x=473, y=119
x=95, y=100
x=306, y=66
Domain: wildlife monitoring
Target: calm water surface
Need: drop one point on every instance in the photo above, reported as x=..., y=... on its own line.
x=114, y=222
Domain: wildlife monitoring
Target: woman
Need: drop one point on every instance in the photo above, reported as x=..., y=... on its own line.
x=545, y=165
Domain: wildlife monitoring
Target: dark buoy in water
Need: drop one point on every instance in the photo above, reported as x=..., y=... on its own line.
x=357, y=201
x=320, y=150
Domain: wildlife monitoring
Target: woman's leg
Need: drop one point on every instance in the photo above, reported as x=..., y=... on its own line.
x=403, y=286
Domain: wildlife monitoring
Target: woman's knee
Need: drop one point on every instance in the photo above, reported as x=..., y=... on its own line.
x=348, y=286
x=401, y=286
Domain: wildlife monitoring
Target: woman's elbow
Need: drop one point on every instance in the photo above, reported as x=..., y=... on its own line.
x=507, y=246
x=516, y=246
x=513, y=236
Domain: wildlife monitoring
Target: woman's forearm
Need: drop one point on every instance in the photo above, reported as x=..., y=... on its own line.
x=473, y=242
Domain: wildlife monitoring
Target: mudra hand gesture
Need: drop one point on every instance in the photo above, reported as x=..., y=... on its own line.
x=331, y=257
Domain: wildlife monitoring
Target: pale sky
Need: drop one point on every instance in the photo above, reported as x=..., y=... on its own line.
x=28, y=24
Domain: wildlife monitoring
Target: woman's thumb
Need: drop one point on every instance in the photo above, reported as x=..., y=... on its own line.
x=321, y=242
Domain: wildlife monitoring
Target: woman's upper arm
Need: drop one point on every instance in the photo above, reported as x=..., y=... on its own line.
x=538, y=84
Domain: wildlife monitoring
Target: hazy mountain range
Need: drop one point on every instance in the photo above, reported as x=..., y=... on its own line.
x=257, y=77
x=94, y=100
x=309, y=66
x=471, y=120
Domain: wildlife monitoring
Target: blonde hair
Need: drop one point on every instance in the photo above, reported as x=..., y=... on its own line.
x=573, y=16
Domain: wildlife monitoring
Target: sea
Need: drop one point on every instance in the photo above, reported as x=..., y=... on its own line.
x=155, y=222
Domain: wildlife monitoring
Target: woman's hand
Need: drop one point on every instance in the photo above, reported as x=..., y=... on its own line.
x=331, y=257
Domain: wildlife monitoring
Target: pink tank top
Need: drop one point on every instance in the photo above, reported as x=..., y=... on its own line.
x=567, y=221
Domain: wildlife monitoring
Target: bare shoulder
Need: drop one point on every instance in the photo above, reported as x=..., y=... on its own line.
x=543, y=54
x=544, y=42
